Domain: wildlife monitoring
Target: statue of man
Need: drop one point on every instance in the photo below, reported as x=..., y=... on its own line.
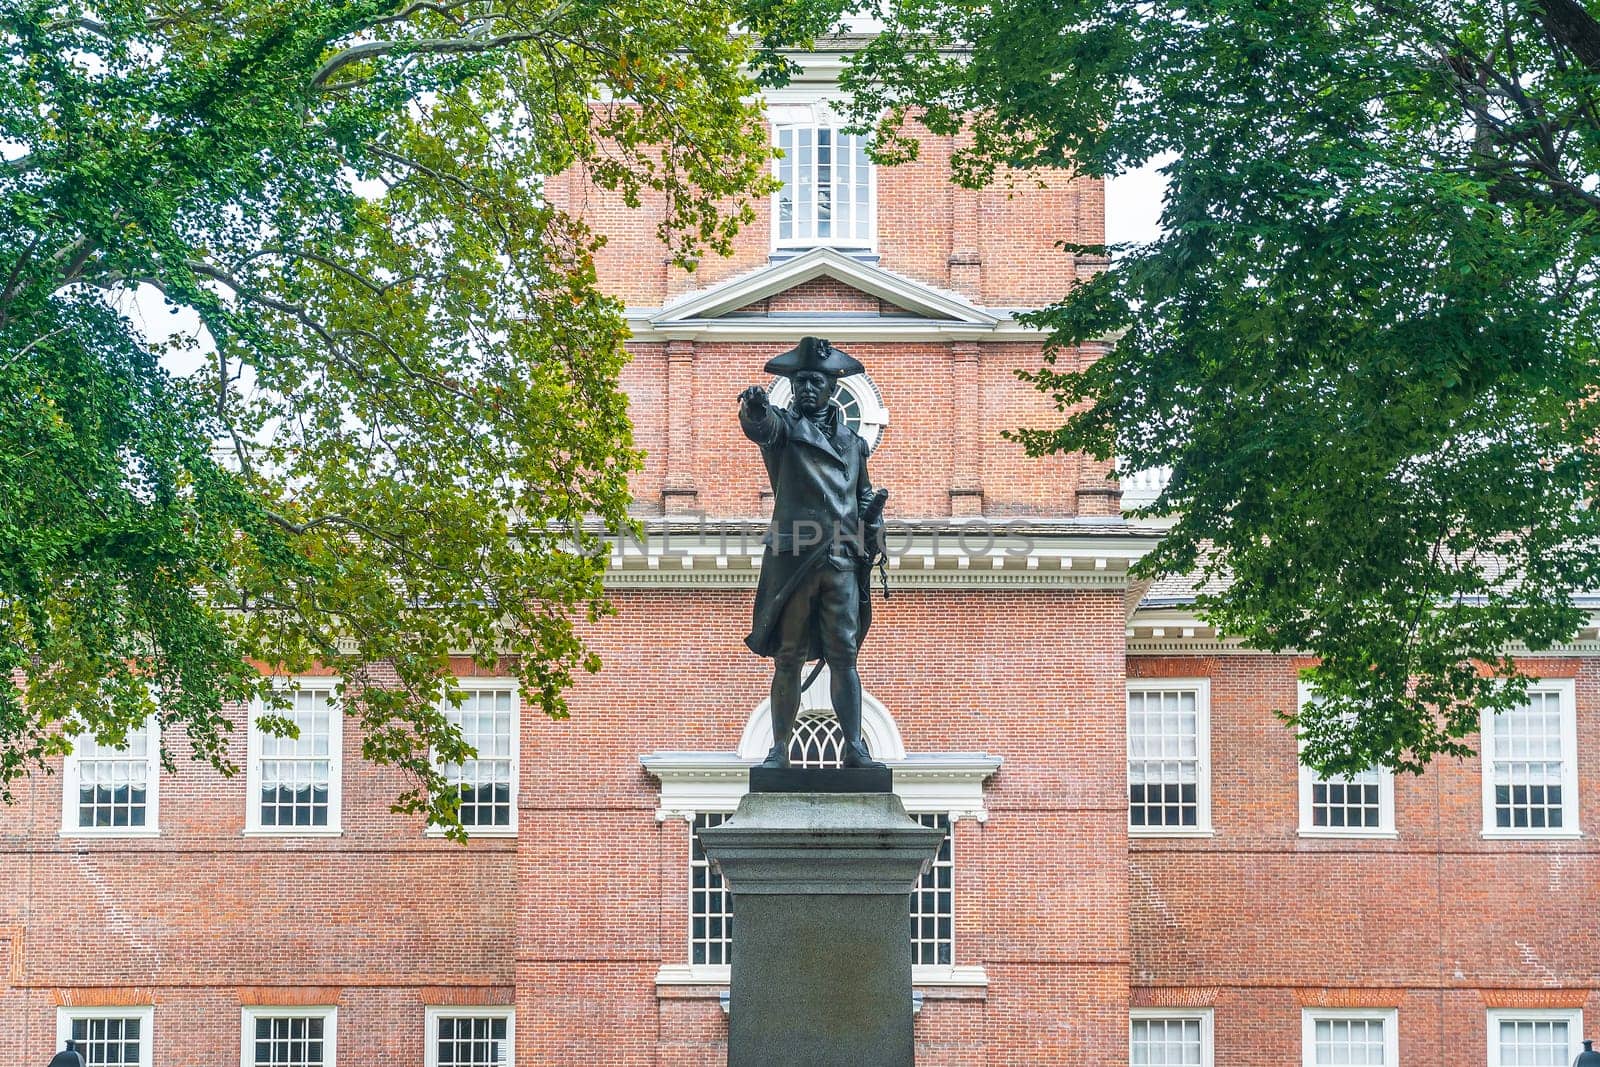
x=812, y=599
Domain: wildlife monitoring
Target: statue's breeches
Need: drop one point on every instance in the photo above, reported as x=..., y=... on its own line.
x=829, y=600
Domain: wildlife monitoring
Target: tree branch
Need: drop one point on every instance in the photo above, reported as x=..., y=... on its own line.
x=433, y=46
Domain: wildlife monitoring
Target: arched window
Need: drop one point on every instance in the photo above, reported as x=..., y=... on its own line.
x=858, y=400
x=817, y=738
x=818, y=742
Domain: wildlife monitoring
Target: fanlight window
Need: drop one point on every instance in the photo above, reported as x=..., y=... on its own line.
x=858, y=400
x=818, y=741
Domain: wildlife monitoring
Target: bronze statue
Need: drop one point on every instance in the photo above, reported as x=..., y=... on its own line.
x=812, y=600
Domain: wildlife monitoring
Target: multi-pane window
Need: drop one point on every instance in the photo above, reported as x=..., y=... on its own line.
x=825, y=189
x=294, y=781
x=112, y=790
x=1365, y=1038
x=933, y=901
x=932, y=914
x=1168, y=776
x=1345, y=805
x=487, y=718
x=118, y=1036
x=1543, y=1038
x=294, y=1037
x=1165, y=1038
x=1529, y=765
x=470, y=1037
x=710, y=905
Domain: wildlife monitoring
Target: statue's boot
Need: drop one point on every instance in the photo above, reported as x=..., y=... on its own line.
x=855, y=754
x=782, y=730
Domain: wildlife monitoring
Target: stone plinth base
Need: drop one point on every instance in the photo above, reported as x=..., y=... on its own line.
x=821, y=883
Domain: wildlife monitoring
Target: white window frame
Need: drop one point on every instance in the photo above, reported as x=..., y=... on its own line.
x=1566, y=690
x=70, y=780
x=65, y=1016
x=1573, y=1017
x=1309, y=1017
x=497, y=685
x=922, y=974
x=442, y=1011
x=1309, y=778
x=814, y=116
x=1202, y=708
x=252, y=816
x=247, y=1028
x=1205, y=1016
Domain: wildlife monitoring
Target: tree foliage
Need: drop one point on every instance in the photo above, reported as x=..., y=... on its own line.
x=1365, y=342
x=405, y=405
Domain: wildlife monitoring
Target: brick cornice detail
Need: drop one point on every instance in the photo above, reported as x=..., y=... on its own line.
x=1534, y=998
x=105, y=997
x=467, y=996
x=1349, y=998
x=1171, y=998
x=288, y=996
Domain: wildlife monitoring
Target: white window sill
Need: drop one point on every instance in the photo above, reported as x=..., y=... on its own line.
x=965, y=976
x=1170, y=831
x=690, y=974
x=1326, y=833
x=501, y=832
x=1531, y=835
x=112, y=832
x=293, y=831
x=971, y=976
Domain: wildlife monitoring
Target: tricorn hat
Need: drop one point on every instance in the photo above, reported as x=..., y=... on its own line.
x=813, y=353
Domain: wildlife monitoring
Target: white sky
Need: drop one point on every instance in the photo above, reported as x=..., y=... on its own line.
x=1133, y=204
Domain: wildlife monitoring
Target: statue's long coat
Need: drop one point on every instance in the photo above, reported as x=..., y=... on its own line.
x=820, y=488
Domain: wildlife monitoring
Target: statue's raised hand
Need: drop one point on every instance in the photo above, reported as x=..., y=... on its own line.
x=754, y=399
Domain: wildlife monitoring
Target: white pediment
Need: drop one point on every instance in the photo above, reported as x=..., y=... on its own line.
x=921, y=301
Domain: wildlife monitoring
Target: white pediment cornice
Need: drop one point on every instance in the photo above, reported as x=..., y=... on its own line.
x=1176, y=630
x=707, y=313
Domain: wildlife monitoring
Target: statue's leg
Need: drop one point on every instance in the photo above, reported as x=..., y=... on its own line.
x=794, y=642
x=840, y=620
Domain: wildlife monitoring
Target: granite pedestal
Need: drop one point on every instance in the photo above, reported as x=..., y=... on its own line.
x=821, y=885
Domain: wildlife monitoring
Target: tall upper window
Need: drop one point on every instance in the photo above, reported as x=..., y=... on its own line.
x=818, y=742
x=487, y=718
x=1358, y=805
x=1530, y=767
x=1169, y=776
x=933, y=901
x=108, y=1035
x=110, y=790
x=294, y=782
x=1534, y=1037
x=826, y=186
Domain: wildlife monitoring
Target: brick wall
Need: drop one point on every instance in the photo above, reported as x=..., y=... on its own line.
x=1258, y=921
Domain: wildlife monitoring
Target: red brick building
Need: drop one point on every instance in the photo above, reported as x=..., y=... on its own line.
x=1137, y=868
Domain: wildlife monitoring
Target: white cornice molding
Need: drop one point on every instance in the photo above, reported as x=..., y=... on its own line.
x=1178, y=631
x=697, y=782
x=940, y=555
x=838, y=329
